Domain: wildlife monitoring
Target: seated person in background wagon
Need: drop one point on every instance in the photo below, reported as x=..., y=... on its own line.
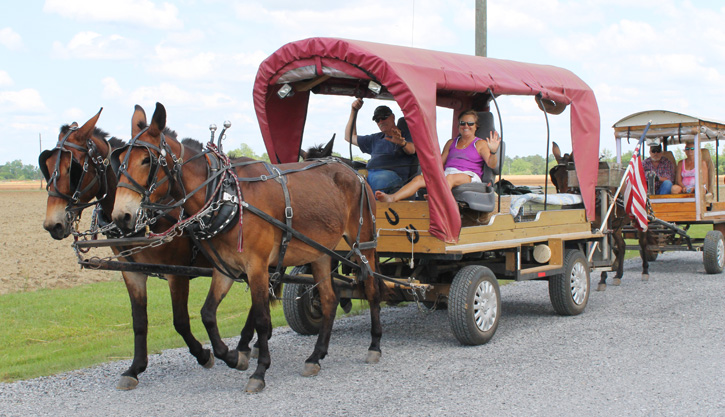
x=686, y=171
x=464, y=156
x=391, y=154
x=663, y=170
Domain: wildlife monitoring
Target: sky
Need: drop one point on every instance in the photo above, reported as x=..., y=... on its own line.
x=62, y=60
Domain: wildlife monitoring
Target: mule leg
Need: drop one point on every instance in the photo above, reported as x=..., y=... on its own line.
x=602, y=286
x=258, y=276
x=136, y=287
x=179, y=289
x=328, y=300
x=643, y=241
x=373, y=293
x=247, y=335
x=220, y=285
x=621, y=248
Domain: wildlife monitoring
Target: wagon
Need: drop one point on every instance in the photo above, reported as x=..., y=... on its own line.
x=448, y=249
x=674, y=214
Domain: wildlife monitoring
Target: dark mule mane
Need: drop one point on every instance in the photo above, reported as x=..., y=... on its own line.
x=98, y=132
x=167, y=131
x=116, y=143
x=192, y=143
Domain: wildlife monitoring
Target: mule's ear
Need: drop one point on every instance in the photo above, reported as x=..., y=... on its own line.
x=86, y=130
x=303, y=155
x=557, y=152
x=138, y=119
x=158, y=120
x=327, y=150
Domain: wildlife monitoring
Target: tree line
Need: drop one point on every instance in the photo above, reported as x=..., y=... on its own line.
x=518, y=165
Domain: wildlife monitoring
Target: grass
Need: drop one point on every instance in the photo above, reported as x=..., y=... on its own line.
x=51, y=331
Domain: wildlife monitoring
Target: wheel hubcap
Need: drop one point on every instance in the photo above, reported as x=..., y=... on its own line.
x=578, y=280
x=485, y=306
x=720, y=253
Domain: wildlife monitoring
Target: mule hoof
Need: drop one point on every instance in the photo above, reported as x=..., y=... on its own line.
x=255, y=352
x=310, y=369
x=601, y=287
x=127, y=383
x=373, y=357
x=616, y=281
x=210, y=363
x=645, y=277
x=254, y=385
x=242, y=361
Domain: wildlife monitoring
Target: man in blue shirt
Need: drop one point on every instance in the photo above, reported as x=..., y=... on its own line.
x=391, y=154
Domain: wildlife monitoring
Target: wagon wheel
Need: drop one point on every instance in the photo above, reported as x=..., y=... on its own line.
x=301, y=306
x=474, y=305
x=569, y=292
x=713, y=252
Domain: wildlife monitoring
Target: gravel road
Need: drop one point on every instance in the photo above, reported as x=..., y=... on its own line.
x=643, y=348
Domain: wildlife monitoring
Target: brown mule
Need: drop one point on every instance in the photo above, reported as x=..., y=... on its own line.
x=327, y=203
x=70, y=190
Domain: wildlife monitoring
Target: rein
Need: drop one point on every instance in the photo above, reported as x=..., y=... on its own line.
x=224, y=202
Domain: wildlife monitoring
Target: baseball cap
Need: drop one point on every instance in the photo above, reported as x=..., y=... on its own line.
x=381, y=112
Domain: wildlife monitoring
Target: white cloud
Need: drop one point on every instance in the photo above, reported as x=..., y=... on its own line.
x=92, y=45
x=24, y=101
x=134, y=12
x=5, y=79
x=217, y=100
x=75, y=114
x=10, y=39
x=166, y=93
x=111, y=89
x=181, y=63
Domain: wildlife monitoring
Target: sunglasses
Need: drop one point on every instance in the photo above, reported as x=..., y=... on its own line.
x=689, y=149
x=462, y=123
x=380, y=118
x=655, y=151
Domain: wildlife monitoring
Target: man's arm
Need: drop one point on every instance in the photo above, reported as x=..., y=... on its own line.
x=350, y=130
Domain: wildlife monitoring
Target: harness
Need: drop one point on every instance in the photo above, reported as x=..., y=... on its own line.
x=92, y=155
x=225, y=204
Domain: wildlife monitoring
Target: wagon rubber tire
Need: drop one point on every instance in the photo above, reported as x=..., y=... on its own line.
x=569, y=292
x=474, y=305
x=713, y=252
x=301, y=307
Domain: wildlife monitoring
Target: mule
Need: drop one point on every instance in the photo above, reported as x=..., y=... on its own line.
x=71, y=187
x=616, y=222
x=248, y=243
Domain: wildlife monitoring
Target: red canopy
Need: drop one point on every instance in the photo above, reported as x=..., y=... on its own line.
x=418, y=80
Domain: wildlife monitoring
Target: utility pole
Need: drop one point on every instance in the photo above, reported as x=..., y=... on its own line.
x=481, y=28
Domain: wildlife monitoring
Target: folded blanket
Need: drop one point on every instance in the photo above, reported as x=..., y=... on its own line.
x=517, y=201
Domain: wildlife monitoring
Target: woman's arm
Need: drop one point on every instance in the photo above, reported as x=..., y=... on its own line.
x=446, y=149
x=489, y=152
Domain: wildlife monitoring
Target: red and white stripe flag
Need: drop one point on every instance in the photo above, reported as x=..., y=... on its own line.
x=635, y=192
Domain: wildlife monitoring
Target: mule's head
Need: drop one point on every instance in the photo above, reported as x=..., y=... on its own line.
x=558, y=174
x=142, y=168
x=71, y=179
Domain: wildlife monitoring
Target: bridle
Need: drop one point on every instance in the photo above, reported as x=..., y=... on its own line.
x=92, y=156
x=173, y=173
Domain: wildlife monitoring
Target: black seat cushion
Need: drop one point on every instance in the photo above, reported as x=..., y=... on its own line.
x=477, y=196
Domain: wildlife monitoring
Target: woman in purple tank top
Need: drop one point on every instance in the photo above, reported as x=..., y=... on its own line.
x=464, y=157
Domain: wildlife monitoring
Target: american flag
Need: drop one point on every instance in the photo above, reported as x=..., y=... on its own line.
x=635, y=192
